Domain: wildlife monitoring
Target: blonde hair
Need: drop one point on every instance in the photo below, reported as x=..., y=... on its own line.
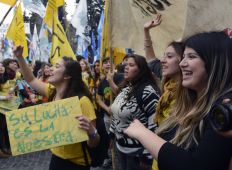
x=191, y=109
x=88, y=70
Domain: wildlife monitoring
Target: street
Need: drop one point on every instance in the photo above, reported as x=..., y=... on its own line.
x=32, y=161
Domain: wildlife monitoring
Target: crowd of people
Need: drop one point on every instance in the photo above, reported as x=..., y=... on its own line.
x=157, y=113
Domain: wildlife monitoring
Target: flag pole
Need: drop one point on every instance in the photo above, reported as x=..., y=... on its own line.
x=6, y=15
x=113, y=149
x=53, y=23
x=3, y=19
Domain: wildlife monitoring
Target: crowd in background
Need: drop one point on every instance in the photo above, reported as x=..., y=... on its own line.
x=156, y=112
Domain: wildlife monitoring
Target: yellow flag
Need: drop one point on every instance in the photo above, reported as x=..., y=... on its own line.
x=59, y=2
x=105, y=48
x=51, y=12
x=60, y=44
x=8, y=2
x=16, y=31
x=119, y=54
x=105, y=43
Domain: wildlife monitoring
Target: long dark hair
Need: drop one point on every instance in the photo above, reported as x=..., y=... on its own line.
x=44, y=77
x=38, y=64
x=76, y=86
x=3, y=77
x=144, y=77
x=214, y=48
x=96, y=75
x=10, y=73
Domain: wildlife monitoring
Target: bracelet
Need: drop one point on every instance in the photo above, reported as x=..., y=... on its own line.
x=147, y=45
x=92, y=136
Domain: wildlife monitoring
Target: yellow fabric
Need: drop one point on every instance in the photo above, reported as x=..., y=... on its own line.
x=16, y=31
x=166, y=101
x=57, y=2
x=60, y=44
x=8, y=2
x=9, y=84
x=49, y=90
x=74, y=152
x=155, y=165
x=105, y=42
x=51, y=12
x=119, y=54
x=87, y=80
x=18, y=75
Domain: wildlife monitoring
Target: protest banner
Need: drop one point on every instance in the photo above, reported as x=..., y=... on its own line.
x=45, y=126
x=180, y=19
x=60, y=43
x=16, y=31
x=8, y=105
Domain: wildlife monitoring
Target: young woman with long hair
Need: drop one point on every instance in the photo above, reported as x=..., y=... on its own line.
x=171, y=73
x=193, y=142
x=4, y=96
x=137, y=98
x=45, y=73
x=65, y=81
x=86, y=73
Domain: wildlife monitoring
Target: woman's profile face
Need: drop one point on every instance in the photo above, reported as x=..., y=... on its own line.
x=46, y=70
x=57, y=73
x=2, y=69
x=170, y=63
x=131, y=69
x=83, y=65
x=97, y=67
x=193, y=70
x=13, y=66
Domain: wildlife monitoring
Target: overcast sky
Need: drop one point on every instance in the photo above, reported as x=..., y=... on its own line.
x=4, y=8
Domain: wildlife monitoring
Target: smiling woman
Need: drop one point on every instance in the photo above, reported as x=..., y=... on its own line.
x=186, y=139
x=65, y=81
x=193, y=71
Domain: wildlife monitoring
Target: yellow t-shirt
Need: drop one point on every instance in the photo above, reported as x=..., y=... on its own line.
x=9, y=84
x=74, y=152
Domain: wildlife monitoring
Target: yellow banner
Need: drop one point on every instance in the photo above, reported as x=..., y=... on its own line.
x=51, y=12
x=56, y=3
x=127, y=17
x=59, y=3
x=105, y=47
x=180, y=19
x=8, y=2
x=60, y=44
x=119, y=54
x=16, y=31
x=45, y=126
x=6, y=105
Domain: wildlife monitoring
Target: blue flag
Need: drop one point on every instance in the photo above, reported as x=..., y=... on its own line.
x=99, y=38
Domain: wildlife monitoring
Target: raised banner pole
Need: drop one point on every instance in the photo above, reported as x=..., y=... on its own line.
x=3, y=19
x=6, y=15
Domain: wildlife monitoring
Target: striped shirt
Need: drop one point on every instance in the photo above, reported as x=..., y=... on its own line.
x=125, y=111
